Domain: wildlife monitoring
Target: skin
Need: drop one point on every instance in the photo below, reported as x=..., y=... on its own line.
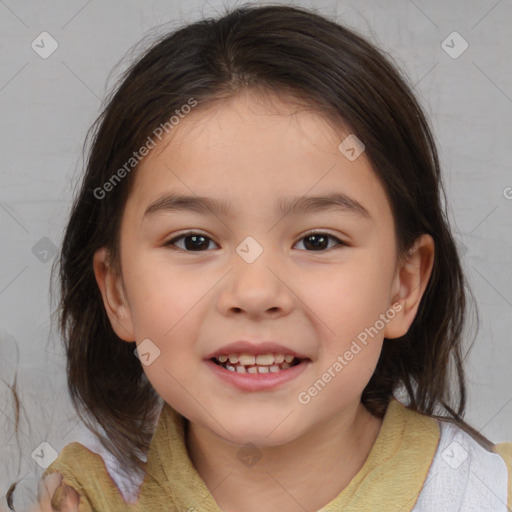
x=252, y=152
x=54, y=495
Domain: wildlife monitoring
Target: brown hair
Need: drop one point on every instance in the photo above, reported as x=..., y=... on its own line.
x=326, y=67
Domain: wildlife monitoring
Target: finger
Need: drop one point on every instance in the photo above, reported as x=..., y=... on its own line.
x=65, y=499
x=56, y=496
x=46, y=489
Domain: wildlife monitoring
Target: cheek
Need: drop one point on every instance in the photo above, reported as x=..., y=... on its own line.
x=166, y=305
x=349, y=304
x=350, y=296
x=160, y=295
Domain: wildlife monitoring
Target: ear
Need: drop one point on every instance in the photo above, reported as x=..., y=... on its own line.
x=112, y=291
x=409, y=284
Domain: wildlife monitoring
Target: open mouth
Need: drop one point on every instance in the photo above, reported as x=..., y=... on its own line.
x=264, y=363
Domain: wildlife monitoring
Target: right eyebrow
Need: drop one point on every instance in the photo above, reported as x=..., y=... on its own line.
x=197, y=204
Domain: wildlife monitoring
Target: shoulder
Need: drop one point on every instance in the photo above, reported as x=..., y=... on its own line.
x=86, y=472
x=72, y=465
x=504, y=450
x=75, y=460
x=465, y=476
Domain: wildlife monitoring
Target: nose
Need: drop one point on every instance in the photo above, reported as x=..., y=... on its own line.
x=257, y=289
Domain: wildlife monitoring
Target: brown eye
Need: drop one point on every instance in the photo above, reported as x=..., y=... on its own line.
x=193, y=242
x=319, y=241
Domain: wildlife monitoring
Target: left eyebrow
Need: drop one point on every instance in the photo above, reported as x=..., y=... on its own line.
x=285, y=206
x=334, y=201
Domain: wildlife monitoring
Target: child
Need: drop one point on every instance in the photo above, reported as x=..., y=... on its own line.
x=271, y=355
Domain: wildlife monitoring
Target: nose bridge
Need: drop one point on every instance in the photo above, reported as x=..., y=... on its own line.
x=253, y=261
x=254, y=283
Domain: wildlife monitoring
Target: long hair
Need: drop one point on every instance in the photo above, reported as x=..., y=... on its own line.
x=319, y=64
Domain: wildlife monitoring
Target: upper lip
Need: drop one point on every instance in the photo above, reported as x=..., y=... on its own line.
x=255, y=348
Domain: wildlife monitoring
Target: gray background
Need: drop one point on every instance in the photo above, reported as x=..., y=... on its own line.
x=47, y=105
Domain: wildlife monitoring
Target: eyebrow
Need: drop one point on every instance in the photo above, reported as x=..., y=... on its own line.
x=285, y=206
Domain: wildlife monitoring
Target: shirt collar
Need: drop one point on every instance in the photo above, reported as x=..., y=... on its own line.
x=390, y=479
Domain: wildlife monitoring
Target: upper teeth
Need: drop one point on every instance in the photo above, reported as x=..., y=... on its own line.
x=249, y=359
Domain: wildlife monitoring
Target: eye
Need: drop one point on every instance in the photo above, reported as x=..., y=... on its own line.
x=197, y=242
x=194, y=242
x=318, y=240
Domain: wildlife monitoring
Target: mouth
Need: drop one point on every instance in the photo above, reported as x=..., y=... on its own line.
x=262, y=363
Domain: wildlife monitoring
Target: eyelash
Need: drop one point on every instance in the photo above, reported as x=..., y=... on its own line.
x=171, y=242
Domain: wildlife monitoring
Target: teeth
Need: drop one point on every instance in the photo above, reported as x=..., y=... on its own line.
x=247, y=359
x=278, y=358
x=256, y=369
x=265, y=359
x=261, y=359
x=262, y=363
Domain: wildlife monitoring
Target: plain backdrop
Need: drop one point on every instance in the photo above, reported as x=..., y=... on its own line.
x=47, y=105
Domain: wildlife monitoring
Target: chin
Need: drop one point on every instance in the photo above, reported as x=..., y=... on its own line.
x=265, y=432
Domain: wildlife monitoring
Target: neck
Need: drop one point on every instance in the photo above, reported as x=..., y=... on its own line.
x=324, y=460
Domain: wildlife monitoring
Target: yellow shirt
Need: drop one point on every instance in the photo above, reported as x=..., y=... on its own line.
x=392, y=478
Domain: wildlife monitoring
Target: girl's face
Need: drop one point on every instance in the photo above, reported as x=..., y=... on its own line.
x=196, y=279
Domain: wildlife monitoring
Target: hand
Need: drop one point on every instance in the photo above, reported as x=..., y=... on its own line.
x=55, y=496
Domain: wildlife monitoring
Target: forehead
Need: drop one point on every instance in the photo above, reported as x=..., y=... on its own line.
x=250, y=151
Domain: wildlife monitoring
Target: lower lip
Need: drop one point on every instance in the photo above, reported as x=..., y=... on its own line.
x=258, y=381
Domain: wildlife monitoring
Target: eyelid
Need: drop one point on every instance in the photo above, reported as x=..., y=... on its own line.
x=316, y=231
x=340, y=241
x=182, y=234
